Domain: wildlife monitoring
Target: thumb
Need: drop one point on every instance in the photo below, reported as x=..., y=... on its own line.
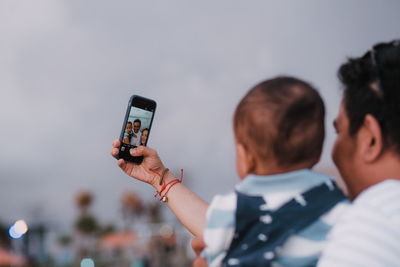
x=142, y=151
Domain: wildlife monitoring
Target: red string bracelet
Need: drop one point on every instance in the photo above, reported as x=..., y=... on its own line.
x=163, y=188
x=181, y=178
x=164, y=198
x=165, y=185
x=161, y=175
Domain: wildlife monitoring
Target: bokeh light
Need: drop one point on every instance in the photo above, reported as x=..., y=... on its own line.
x=21, y=227
x=166, y=230
x=87, y=263
x=18, y=229
x=13, y=234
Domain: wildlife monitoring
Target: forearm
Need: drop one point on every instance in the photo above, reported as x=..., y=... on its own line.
x=189, y=208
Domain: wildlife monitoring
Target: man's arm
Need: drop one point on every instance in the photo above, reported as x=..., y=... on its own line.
x=186, y=205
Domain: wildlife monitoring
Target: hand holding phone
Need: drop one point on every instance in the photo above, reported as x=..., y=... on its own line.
x=136, y=127
x=141, y=171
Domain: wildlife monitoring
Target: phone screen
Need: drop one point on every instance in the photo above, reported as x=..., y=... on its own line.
x=137, y=127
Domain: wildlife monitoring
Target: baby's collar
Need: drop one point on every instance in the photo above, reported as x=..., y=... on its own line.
x=296, y=180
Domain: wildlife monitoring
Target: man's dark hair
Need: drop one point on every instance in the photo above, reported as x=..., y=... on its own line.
x=137, y=120
x=282, y=118
x=372, y=86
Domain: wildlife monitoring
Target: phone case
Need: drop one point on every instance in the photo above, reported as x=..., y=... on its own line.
x=141, y=103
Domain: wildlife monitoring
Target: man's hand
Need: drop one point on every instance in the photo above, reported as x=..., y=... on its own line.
x=198, y=245
x=142, y=172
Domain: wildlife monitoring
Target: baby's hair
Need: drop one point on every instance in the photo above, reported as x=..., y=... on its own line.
x=129, y=122
x=281, y=119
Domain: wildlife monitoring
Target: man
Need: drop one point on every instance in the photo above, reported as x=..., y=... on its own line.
x=367, y=153
x=135, y=140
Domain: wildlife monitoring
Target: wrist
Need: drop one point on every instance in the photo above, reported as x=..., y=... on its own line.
x=168, y=177
x=167, y=181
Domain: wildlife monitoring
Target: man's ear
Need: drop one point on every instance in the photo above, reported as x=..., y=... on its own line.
x=245, y=163
x=370, y=140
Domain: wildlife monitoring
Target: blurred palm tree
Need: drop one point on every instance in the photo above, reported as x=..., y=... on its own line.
x=132, y=208
x=155, y=215
x=83, y=200
x=86, y=224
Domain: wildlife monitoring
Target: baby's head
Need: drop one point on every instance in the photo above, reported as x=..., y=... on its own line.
x=128, y=127
x=279, y=127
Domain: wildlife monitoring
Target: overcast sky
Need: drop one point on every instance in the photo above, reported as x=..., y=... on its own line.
x=68, y=68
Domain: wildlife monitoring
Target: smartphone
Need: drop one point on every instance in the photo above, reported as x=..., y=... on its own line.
x=136, y=126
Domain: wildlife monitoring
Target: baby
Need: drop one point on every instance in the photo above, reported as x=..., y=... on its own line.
x=128, y=133
x=281, y=211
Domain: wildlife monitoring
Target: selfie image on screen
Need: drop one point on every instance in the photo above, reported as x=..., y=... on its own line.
x=137, y=127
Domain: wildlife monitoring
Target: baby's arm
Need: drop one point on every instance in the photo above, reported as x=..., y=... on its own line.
x=186, y=205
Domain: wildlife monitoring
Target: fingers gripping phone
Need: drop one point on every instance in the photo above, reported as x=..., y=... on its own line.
x=136, y=127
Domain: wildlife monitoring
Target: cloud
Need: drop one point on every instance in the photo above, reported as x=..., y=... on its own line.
x=69, y=67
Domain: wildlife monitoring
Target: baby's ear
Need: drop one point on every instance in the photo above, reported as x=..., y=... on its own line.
x=244, y=161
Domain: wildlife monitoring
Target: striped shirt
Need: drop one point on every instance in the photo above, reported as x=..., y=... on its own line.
x=368, y=234
x=301, y=249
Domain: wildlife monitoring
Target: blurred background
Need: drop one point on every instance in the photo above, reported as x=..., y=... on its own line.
x=67, y=70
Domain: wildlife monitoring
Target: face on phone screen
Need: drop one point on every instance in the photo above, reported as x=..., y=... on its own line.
x=137, y=126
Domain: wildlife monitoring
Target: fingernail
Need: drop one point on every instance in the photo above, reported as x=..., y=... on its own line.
x=132, y=151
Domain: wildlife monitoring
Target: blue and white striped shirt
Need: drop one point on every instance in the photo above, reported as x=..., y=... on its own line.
x=302, y=248
x=368, y=234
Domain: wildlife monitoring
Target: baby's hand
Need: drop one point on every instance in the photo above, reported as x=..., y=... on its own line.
x=198, y=245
